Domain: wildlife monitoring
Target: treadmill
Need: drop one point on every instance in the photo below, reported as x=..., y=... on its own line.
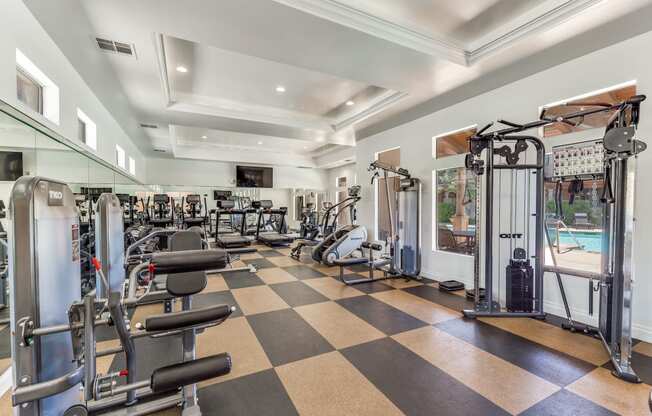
x=277, y=237
x=195, y=219
x=232, y=239
x=161, y=208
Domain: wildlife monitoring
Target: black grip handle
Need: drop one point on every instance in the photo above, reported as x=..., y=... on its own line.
x=636, y=99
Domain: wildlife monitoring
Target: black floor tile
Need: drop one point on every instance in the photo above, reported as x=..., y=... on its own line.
x=270, y=253
x=379, y=314
x=5, y=342
x=260, y=394
x=433, y=294
x=565, y=403
x=303, y=272
x=241, y=278
x=151, y=353
x=642, y=365
x=369, y=287
x=225, y=297
x=546, y=363
x=102, y=333
x=413, y=384
x=286, y=337
x=297, y=293
x=260, y=263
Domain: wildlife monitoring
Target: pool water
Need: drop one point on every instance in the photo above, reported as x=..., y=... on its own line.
x=591, y=241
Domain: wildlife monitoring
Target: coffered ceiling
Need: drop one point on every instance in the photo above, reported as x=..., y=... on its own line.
x=286, y=81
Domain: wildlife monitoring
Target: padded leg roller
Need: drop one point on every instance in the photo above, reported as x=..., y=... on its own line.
x=175, y=376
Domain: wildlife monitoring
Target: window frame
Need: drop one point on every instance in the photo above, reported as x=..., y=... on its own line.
x=120, y=157
x=435, y=222
x=132, y=166
x=50, y=91
x=20, y=71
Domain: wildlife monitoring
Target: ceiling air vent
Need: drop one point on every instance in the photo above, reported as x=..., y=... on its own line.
x=148, y=126
x=159, y=150
x=111, y=46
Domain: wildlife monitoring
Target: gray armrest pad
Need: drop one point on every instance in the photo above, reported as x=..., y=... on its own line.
x=350, y=261
x=176, y=320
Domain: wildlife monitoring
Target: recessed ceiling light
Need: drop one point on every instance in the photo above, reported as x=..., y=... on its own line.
x=350, y=103
x=280, y=89
x=204, y=137
x=182, y=69
x=305, y=147
x=260, y=142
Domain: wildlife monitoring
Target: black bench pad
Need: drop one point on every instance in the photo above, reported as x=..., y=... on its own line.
x=182, y=374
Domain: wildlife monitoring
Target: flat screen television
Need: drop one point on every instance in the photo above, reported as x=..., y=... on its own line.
x=11, y=166
x=254, y=177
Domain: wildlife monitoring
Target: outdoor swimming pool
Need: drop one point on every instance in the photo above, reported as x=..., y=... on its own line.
x=591, y=241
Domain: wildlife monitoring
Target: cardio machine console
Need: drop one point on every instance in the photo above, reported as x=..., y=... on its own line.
x=576, y=160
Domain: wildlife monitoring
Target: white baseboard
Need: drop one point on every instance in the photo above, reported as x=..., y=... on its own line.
x=641, y=332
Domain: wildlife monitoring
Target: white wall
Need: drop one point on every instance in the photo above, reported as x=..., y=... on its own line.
x=520, y=102
x=222, y=174
x=19, y=29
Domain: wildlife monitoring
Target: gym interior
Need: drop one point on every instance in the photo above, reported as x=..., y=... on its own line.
x=325, y=207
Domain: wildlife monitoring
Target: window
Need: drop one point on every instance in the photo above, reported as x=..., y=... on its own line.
x=455, y=195
x=453, y=143
x=86, y=130
x=120, y=157
x=607, y=96
x=35, y=90
x=132, y=166
x=29, y=91
x=575, y=224
x=391, y=157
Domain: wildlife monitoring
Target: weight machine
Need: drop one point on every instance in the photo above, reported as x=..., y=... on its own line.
x=619, y=172
x=404, y=213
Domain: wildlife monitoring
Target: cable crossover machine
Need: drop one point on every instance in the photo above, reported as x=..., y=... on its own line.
x=512, y=168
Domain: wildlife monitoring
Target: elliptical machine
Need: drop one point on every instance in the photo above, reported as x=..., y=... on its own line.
x=344, y=240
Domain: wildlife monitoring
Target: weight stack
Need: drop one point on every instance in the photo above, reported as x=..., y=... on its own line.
x=520, y=282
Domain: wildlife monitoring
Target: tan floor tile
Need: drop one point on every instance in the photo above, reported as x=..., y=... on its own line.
x=329, y=385
x=143, y=311
x=330, y=271
x=643, y=348
x=505, y=384
x=215, y=283
x=401, y=283
x=258, y=299
x=237, y=264
x=284, y=261
x=575, y=345
x=275, y=275
x=614, y=394
x=5, y=404
x=332, y=289
x=261, y=247
x=250, y=256
x=419, y=308
x=104, y=363
x=236, y=337
x=340, y=327
x=284, y=251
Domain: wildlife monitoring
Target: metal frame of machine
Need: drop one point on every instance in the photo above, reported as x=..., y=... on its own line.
x=615, y=280
x=45, y=281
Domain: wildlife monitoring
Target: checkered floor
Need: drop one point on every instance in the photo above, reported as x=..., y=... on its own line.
x=304, y=343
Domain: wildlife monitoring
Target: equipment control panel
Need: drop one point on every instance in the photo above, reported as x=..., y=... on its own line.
x=585, y=159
